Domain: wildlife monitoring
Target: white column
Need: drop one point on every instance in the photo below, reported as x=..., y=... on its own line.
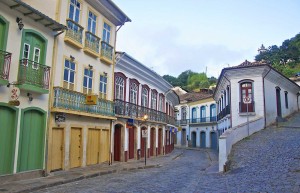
x=138, y=137
x=148, y=138
x=112, y=137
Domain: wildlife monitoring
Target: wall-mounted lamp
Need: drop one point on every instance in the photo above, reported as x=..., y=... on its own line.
x=30, y=97
x=105, y=73
x=72, y=57
x=20, y=23
x=145, y=117
x=90, y=67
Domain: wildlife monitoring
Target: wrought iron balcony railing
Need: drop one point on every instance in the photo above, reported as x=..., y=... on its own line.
x=106, y=51
x=224, y=112
x=74, y=31
x=171, y=120
x=75, y=101
x=5, y=59
x=33, y=73
x=92, y=41
x=123, y=108
x=197, y=120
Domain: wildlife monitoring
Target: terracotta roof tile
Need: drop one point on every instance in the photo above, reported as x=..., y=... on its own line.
x=195, y=96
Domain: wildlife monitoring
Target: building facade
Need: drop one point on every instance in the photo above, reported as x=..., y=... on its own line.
x=250, y=97
x=196, y=115
x=82, y=107
x=26, y=42
x=141, y=92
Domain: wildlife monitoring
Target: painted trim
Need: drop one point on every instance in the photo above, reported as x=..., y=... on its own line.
x=23, y=111
x=6, y=23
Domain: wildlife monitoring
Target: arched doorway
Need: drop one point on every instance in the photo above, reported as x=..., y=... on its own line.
x=214, y=140
x=160, y=138
x=152, y=142
x=32, y=139
x=202, y=139
x=132, y=142
x=194, y=137
x=117, y=142
x=183, y=137
x=143, y=143
x=278, y=102
x=8, y=120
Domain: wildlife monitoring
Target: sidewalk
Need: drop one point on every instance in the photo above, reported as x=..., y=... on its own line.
x=292, y=121
x=63, y=177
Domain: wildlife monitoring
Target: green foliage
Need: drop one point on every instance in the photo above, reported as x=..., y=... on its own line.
x=286, y=58
x=190, y=80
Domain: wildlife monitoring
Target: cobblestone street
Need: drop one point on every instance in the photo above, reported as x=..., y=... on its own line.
x=268, y=161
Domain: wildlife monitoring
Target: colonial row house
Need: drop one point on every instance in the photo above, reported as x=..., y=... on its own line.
x=27, y=38
x=82, y=107
x=197, y=118
x=250, y=97
x=144, y=107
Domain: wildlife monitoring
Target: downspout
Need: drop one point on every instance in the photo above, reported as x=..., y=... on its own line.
x=265, y=97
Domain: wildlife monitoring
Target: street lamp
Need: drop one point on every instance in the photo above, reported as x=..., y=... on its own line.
x=144, y=135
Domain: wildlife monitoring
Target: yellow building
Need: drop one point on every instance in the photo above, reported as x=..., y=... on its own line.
x=81, y=101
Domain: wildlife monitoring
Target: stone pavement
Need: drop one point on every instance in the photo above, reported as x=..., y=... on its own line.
x=76, y=174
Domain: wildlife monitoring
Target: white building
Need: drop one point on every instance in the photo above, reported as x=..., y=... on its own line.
x=140, y=91
x=250, y=97
x=196, y=115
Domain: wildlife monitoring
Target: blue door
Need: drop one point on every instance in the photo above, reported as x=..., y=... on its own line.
x=202, y=140
x=213, y=139
x=194, y=136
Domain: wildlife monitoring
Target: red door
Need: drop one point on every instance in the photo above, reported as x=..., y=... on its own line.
x=159, y=141
x=117, y=143
x=142, y=146
x=152, y=141
x=131, y=143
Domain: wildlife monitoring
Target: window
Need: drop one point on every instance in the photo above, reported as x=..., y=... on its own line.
x=154, y=99
x=194, y=115
x=69, y=75
x=36, y=58
x=120, y=83
x=203, y=113
x=286, y=99
x=161, y=103
x=103, y=87
x=213, y=112
x=74, y=10
x=87, y=81
x=106, y=33
x=26, y=51
x=246, y=94
x=92, y=22
x=144, y=97
x=183, y=113
x=133, y=93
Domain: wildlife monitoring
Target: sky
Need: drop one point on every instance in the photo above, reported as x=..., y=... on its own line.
x=172, y=36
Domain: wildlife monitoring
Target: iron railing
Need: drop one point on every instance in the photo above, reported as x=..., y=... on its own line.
x=34, y=73
x=106, y=50
x=224, y=112
x=5, y=60
x=74, y=31
x=197, y=120
x=92, y=41
x=123, y=108
x=72, y=100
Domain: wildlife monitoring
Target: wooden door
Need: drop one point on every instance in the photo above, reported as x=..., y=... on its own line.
x=31, y=146
x=214, y=141
x=278, y=102
x=159, y=141
x=152, y=141
x=202, y=139
x=194, y=137
x=57, y=149
x=75, y=147
x=183, y=137
x=143, y=141
x=104, y=146
x=8, y=120
x=93, y=147
x=2, y=35
x=117, y=143
x=131, y=143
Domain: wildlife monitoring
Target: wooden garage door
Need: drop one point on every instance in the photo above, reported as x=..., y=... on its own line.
x=75, y=148
x=93, y=146
x=57, y=149
x=104, y=146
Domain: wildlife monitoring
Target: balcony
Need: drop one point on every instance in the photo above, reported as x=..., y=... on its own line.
x=92, y=43
x=171, y=120
x=33, y=76
x=73, y=102
x=106, y=52
x=5, y=60
x=224, y=112
x=202, y=120
x=130, y=110
x=74, y=34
